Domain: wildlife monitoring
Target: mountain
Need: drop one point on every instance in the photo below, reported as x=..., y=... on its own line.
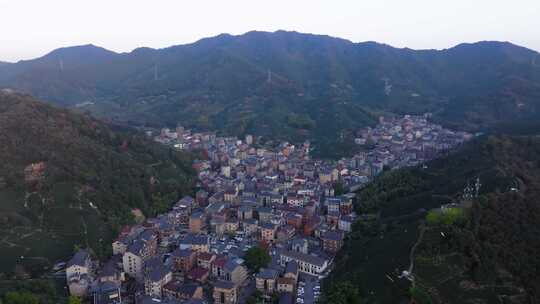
x=288, y=84
x=68, y=179
x=483, y=249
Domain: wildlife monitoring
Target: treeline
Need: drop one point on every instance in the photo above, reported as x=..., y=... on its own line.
x=91, y=179
x=500, y=231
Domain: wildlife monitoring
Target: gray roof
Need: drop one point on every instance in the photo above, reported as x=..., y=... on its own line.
x=230, y=265
x=333, y=235
x=180, y=253
x=299, y=256
x=153, y=262
x=267, y=273
x=158, y=273
x=224, y=284
x=150, y=300
x=147, y=235
x=187, y=200
x=268, y=226
x=109, y=269
x=102, y=292
x=292, y=267
x=136, y=247
x=80, y=258
x=195, y=239
x=264, y=210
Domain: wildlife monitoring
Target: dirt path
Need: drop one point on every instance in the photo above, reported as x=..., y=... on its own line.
x=413, y=249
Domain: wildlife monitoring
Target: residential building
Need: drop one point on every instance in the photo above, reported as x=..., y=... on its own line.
x=225, y=293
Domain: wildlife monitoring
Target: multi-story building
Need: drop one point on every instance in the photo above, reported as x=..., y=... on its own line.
x=268, y=232
x=79, y=273
x=307, y=263
x=196, y=222
x=265, y=280
x=332, y=241
x=156, y=279
x=225, y=293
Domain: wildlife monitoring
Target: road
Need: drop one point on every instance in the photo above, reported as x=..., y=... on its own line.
x=309, y=297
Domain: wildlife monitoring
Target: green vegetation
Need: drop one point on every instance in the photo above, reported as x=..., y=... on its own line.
x=74, y=300
x=446, y=217
x=86, y=181
x=420, y=296
x=300, y=121
x=20, y=298
x=339, y=189
x=478, y=251
x=288, y=85
x=257, y=258
x=29, y=291
x=342, y=293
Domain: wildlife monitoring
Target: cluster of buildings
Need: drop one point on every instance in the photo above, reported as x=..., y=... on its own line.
x=404, y=141
x=248, y=194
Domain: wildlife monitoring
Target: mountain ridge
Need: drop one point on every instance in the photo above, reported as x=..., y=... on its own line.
x=227, y=35
x=255, y=82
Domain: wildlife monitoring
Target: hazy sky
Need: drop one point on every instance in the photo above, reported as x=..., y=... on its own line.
x=31, y=28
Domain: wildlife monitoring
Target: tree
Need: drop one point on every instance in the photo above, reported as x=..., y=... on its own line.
x=257, y=258
x=74, y=300
x=420, y=296
x=339, y=189
x=342, y=293
x=14, y=297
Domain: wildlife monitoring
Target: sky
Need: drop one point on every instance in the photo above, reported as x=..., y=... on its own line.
x=32, y=28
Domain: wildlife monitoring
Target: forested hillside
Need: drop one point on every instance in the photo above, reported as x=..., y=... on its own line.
x=487, y=251
x=288, y=84
x=67, y=179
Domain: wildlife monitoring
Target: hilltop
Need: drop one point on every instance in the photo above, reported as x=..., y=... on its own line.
x=488, y=254
x=288, y=84
x=68, y=179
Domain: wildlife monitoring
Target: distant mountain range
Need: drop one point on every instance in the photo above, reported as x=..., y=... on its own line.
x=287, y=84
x=68, y=179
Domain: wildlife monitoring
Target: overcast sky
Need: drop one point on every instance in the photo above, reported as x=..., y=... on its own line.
x=32, y=28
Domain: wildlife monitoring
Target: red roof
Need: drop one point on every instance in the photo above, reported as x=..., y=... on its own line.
x=205, y=256
x=220, y=261
x=197, y=273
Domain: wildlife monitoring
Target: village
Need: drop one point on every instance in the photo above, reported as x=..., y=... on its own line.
x=252, y=197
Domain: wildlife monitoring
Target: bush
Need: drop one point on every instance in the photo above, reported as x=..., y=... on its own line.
x=446, y=217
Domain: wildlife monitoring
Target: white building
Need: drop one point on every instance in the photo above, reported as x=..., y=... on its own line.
x=307, y=263
x=78, y=273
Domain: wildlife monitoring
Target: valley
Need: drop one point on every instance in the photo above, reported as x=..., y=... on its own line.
x=271, y=167
x=287, y=85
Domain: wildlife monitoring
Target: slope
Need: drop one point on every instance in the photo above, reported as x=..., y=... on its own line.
x=67, y=179
x=273, y=83
x=489, y=255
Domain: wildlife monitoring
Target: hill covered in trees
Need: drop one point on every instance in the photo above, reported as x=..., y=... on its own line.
x=288, y=84
x=68, y=179
x=480, y=249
